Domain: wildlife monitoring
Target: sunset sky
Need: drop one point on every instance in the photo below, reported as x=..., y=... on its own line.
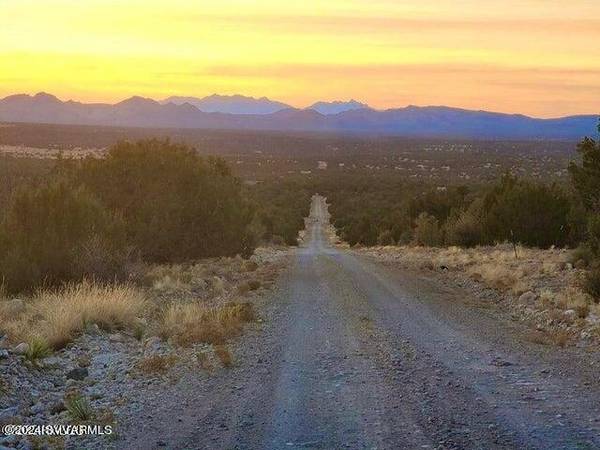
x=538, y=57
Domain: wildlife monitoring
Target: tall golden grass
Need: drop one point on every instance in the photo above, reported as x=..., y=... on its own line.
x=191, y=323
x=58, y=316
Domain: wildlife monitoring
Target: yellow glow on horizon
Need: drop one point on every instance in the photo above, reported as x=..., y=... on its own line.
x=529, y=56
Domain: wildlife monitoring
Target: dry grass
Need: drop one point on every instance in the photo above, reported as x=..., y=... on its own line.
x=57, y=317
x=224, y=355
x=248, y=286
x=191, y=323
x=560, y=337
x=204, y=361
x=157, y=364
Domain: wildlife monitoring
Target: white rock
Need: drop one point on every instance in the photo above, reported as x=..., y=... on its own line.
x=21, y=349
x=592, y=319
x=116, y=337
x=570, y=313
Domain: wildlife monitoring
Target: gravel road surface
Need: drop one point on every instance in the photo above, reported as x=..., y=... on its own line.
x=354, y=354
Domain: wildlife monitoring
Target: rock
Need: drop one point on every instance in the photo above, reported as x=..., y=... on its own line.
x=92, y=328
x=527, y=298
x=592, y=319
x=3, y=354
x=38, y=408
x=84, y=361
x=152, y=345
x=79, y=374
x=58, y=407
x=570, y=313
x=25, y=445
x=569, y=266
x=21, y=349
x=8, y=414
x=498, y=362
x=140, y=322
x=51, y=361
x=9, y=440
x=116, y=337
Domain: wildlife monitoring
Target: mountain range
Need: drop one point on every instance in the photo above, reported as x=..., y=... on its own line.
x=230, y=104
x=413, y=121
x=337, y=107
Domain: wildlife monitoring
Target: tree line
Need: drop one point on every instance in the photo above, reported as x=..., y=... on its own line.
x=388, y=210
x=151, y=201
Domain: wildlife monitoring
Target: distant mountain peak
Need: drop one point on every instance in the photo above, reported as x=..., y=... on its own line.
x=230, y=104
x=44, y=96
x=137, y=100
x=337, y=106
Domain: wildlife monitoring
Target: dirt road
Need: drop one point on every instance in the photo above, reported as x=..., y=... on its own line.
x=356, y=355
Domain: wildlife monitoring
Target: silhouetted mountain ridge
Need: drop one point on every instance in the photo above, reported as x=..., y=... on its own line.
x=230, y=104
x=414, y=121
x=337, y=107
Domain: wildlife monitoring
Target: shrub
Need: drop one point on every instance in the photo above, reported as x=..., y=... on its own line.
x=79, y=408
x=582, y=253
x=591, y=283
x=176, y=205
x=157, y=364
x=50, y=235
x=224, y=355
x=466, y=228
x=385, y=238
x=593, y=233
x=586, y=177
x=38, y=349
x=529, y=213
x=281, y=207
x=427, y=231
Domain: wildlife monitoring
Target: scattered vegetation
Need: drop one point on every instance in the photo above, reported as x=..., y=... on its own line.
x=175, y=204
x=55, y=317
x=38, y=349
x=148, y=201
x=586, y=180
x=157, y=364
x=191, y=323
x=281, y=207
x=55, y=233
x=387, y=212
x=79, y=408
x=224, y=355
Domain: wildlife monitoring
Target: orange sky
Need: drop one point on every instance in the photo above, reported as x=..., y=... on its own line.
x=538, y=57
